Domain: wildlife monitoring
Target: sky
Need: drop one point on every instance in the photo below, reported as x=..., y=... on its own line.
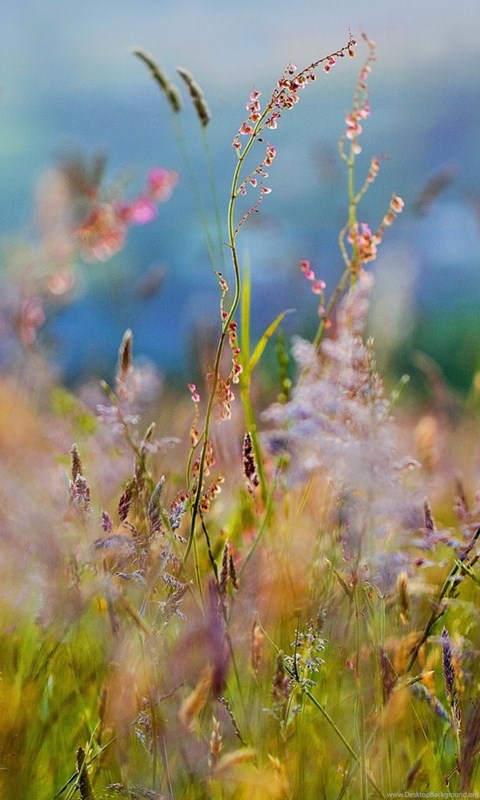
x=69, y=82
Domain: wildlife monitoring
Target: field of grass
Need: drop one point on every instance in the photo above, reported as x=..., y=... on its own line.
x=264, y=586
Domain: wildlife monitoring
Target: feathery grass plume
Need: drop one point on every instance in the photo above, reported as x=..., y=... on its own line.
x=133, y=792
x=107, y=523
x=421, y=691
x=249, y=465
x=224, y=571
x=126, y=500
x=216, y=744
x=80, y=495
x=196, y=701
x=338, y=420
x=228, y=707
x=403, y=598
x=155, y=508
x=470, y=747
x=281, y=684
x=217, y=639
x=433, y=188
x=149, y=725
x=198, y=98
x=429, y=524
x=169, y=89
x=388, y=674
x=77, y=468
x=450, y=679
x=125, y=365
x=461, y=504
x=232, y=569
x=83, y=781
x=426, y=442
x=256, y=646
x=414, y=773
x=229, y=761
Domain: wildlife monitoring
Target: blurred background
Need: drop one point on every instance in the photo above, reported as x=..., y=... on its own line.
x=71, y=88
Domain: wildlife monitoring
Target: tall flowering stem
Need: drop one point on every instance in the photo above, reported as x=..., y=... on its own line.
x=358, y=244
x=284, y=97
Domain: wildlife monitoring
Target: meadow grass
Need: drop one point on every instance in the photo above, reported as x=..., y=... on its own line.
x=220, y=594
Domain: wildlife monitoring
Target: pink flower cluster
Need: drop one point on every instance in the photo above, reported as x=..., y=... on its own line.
x=285, y=95
x=361, y=108
x=318, y=286
x=364, y=242
x=31, y=318
x=104, y=231
x=252, y=179
x=354, y=127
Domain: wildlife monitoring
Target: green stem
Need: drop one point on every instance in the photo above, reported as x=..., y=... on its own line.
x=232, y=234
x=446, y=591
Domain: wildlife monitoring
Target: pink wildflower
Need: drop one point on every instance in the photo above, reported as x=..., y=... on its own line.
x=32, y=317
x=365, y=241
x=141, y=211
x=318, y=286
x=102, y=234
x=194, y=393
x=161, y=183
x=397, y=204
x=246, y=129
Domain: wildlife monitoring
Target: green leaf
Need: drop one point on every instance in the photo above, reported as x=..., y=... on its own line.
x=263, y=341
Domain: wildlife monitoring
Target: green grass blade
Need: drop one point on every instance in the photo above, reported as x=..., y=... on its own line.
x=264, y=339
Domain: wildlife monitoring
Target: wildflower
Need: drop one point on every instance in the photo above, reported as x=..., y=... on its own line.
x=354, y=128
x=32, y=317
x=102, y=234
x=246, y=129
x=364, y=242
x=397, y=204
x=104, y=230
x=161, y=183
x=318, y=286
x=61, y=282
x=194, y=393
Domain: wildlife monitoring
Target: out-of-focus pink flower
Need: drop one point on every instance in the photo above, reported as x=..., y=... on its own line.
x=396, y=204
x=365, y=241
x=139, y=212
x=161, y=183
x=61, y=282
x=102, y=234
x=32, y=317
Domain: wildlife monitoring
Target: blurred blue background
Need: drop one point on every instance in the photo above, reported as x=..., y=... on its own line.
x=70, y=85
